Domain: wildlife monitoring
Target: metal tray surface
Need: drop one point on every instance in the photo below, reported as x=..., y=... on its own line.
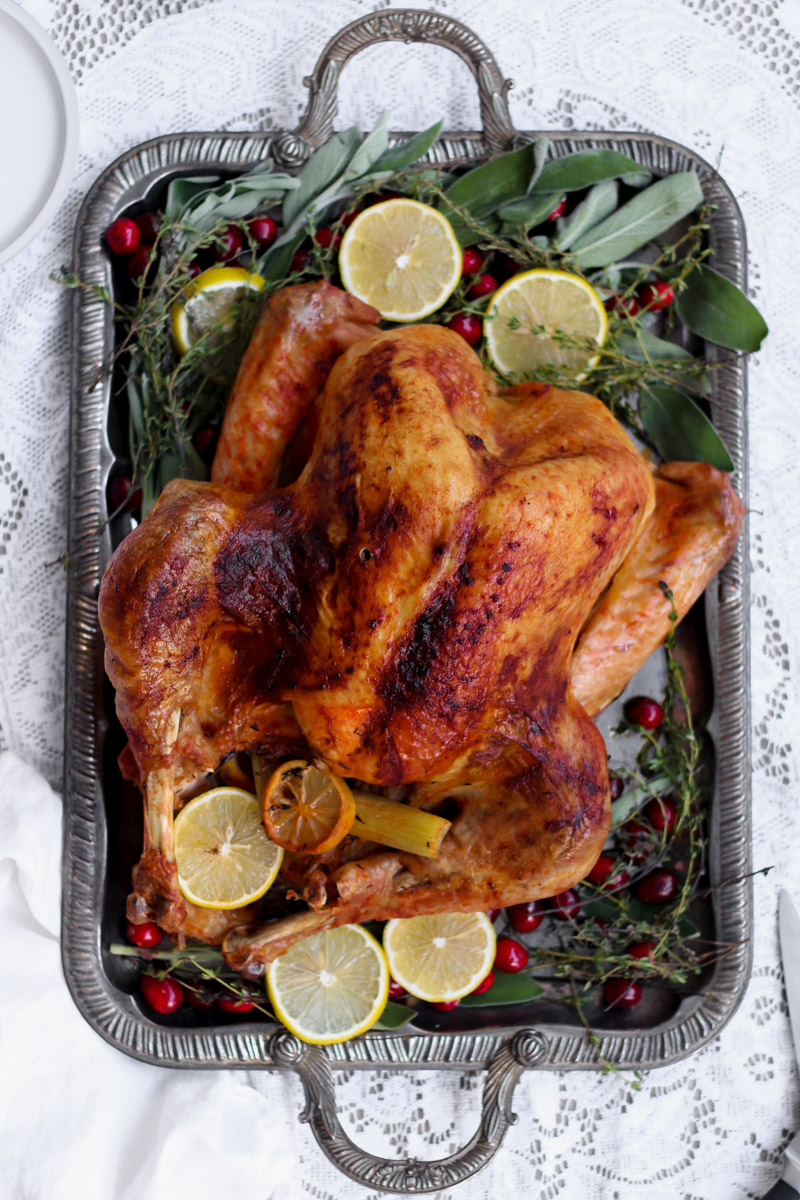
x=474, y=1038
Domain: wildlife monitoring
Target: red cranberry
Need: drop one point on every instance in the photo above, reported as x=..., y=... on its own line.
x=641, y=710
x=510, y=955
x=601, y=872
x=492, y=913
x=193, y=270
x=149, y=224
x=527, y=916
x=566, y=904
x=642, y=949
x=622, y=993
x=484, y=985
x=229, y=244
x=396, y=990
x=144, y=936
x=471, y=262
x=263, y=230
x=233, y=1004
x=558, y=211
x=139, y=264
x=120, y=496
x=659, y=887
x=466, y=326
x=198, y=995
x=622, y=304
x=123, y=237
x=617, y=787
x=504, y=267
x=325, y=237
x=484, y=285
x=662, y=815
x=656, y=296
x=300, y=260
x=347, y=218
x=203, y=438
x=162, y=995
x=446, y=1005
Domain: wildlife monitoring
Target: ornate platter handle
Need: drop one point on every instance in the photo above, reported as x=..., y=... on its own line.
x=525, y=1049
x=397, y=25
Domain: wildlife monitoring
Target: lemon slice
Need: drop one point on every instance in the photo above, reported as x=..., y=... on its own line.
x=440, y=956
x=208, y=303
x=401, y=257
x=331, y=986
x=224, y=857
x=555, y=300
x=307, y=809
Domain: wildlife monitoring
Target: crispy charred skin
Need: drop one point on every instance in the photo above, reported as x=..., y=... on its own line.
x=299, y=336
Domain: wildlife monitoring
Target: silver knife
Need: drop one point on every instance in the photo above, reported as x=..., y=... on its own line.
x=788, y=1186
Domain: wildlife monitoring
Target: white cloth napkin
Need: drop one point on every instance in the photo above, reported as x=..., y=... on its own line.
x=79, y=1119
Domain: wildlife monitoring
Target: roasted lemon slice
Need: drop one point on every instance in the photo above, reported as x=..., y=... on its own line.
x=401, y=257
x=224, y=857
x=545, y=318
x=331, y=986
x=440, y=956
x=307, y=809
x=208, y=303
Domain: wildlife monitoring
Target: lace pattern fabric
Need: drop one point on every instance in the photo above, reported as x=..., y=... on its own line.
x=723, y=78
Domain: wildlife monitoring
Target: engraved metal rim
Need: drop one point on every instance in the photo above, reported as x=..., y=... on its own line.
x=112, y=1013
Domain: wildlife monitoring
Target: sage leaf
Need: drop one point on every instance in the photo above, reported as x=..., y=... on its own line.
x=646, y=347
x=717, y=310
x=597, y=205
x=398, y=157
x=370, y=150
x=394, y=1016
x=679, y=430
x=529, y=211
x=325, y=165
x=586, y=167
x=638, y=222
x=181, y=191
x=506, y=989
x=633, y=798
x=499, y=181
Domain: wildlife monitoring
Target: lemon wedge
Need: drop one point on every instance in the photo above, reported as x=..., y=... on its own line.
x=401, y=257
x=208, y=302
x=306, y=809
x=224, y=857
x=331, y=986
x=440, y=956
x=556, y=301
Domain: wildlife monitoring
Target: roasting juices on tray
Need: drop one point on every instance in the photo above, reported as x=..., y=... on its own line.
x=393, y=562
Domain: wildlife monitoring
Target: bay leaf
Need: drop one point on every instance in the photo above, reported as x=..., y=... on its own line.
x=499, y=181
x=394, y=1016
x=395, y=158
x=645, y=217
x=679, y=430
x=600, y=201
x=644, y=346
x=719, y=311
x=585, y=167
x=506, y=989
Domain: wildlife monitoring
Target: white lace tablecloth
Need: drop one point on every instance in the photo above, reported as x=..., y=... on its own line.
x=721, y=76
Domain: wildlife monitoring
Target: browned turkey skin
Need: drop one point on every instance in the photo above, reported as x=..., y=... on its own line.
x=405, y=612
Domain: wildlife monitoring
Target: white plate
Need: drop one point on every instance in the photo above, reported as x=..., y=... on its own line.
x=38, y=130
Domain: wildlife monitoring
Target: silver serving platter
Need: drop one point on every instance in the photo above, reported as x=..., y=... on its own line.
x=97, y=839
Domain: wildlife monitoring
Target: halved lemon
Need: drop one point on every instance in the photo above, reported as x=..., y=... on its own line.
x=331, y=986
x=208, y=303
x=224, y=857
x=440, y=956
x=307, y=809
x=530, y=312
x=401, y=257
